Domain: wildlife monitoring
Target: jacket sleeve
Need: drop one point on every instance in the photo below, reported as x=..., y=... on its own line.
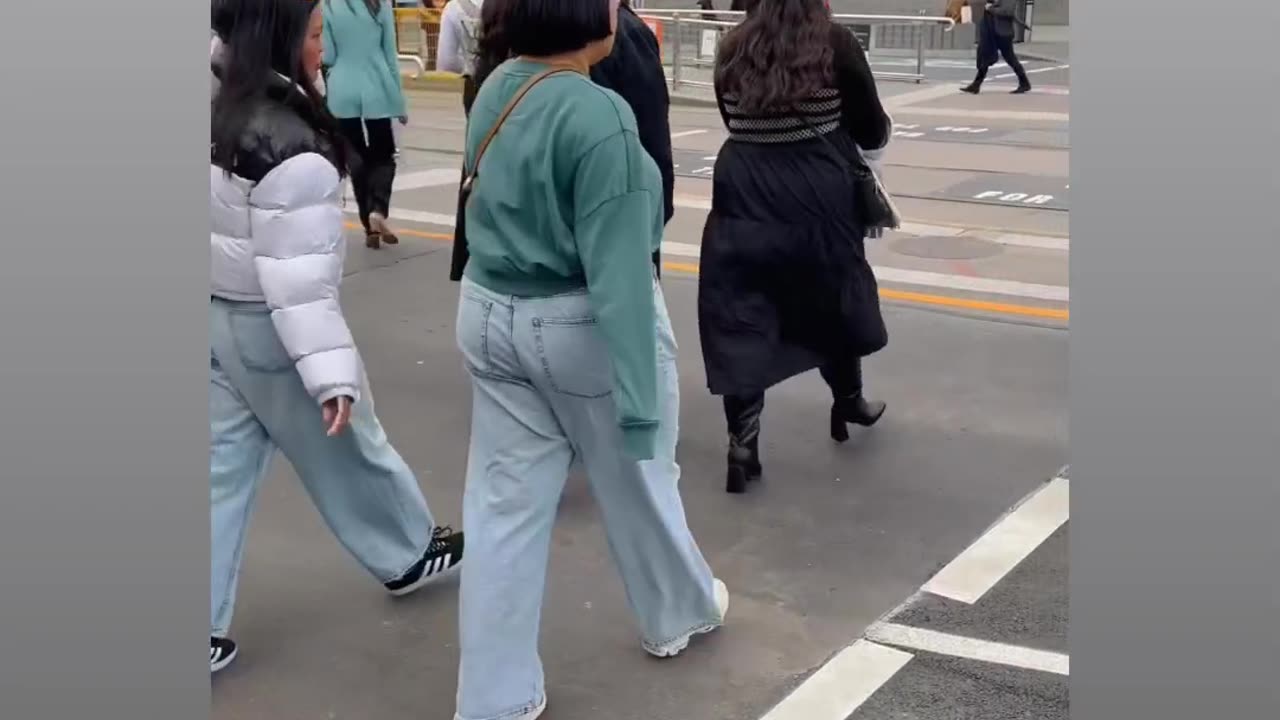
x=296, y=223
x=863, y=114
x=449, y=53
x=614, y=228
x=388, y=19
x=1003, y=8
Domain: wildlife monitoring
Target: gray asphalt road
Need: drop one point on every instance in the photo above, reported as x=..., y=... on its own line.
x=1027, y=610
x=834, y=538
x=961, y=70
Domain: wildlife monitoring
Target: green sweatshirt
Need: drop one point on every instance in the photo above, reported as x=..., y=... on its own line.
x=567, y=198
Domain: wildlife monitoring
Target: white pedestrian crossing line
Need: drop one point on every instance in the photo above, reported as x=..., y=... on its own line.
x=922, y=278
x=938, y=643
x=435, y=177
x=984, y=563
x=842, y=685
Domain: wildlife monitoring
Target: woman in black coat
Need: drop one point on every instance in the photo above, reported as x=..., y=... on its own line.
x=784, y=285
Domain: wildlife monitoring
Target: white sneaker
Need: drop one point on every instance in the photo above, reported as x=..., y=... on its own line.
x=678, y=645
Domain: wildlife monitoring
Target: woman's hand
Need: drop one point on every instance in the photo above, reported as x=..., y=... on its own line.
x=337, y=414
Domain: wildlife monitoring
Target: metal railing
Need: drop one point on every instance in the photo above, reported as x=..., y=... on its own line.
x=417, y=36
x=689, y=38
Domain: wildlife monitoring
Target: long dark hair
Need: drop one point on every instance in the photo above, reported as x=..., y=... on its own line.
x=492, y=47
x=779, y=55
x=262, y=50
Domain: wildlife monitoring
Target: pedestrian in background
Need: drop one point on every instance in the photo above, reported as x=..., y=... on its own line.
x=284, y=371
x=784, y=284
x=458, y=44
x=565, y=333
x=995, y=20
x=365, y=94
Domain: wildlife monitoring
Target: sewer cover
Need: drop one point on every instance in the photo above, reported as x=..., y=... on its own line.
x=934, y=247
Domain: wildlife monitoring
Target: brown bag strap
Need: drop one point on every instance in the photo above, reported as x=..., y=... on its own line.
x=502, y=118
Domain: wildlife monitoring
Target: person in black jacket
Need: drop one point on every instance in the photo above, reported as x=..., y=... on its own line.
x=995, y=20
x=633, y=70
x=785, y=286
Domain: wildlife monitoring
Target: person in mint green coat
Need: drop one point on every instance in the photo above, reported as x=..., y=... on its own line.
x=364, y=94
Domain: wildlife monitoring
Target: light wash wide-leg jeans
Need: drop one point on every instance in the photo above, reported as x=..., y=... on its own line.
x=364, y=490
x=542, y=399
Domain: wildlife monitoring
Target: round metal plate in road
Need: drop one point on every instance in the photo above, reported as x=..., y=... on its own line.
x=934, y=247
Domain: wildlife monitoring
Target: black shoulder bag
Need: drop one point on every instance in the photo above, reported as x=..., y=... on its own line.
x=871, y=201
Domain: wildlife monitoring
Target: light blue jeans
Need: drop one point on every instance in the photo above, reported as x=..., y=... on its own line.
x=364, y=490
x=542, y=398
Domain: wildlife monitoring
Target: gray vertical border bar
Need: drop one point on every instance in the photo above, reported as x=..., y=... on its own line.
x=1175, y=402
x=104, y=542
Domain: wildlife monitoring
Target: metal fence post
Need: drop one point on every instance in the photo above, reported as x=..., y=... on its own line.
x=676, y=52
x=920, y=28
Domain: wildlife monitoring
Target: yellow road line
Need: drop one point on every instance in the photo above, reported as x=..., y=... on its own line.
x=916, y=298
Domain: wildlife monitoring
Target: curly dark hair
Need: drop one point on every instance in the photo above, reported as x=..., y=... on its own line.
x=779, y=55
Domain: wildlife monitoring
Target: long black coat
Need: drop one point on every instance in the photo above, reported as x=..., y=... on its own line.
x=784, y=285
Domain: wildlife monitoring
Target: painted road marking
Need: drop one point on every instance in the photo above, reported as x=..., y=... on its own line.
x=687, y=133
x=690, y=202
x=435, y=177
x=966, y=283
x=427, y=178
x=984, y=563
x=1029, y=191
x=1032, y=72
x=985, y=114
x=938, y=643
x=842, y=685
x=914, y=298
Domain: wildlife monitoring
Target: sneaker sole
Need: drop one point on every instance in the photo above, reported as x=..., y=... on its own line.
x=674, y=649
x=224, y=662
x=426, y=580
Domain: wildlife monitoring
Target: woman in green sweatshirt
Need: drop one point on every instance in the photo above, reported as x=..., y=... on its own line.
x=566, y=337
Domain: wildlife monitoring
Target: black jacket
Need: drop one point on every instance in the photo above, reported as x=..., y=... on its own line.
x=634, y=71
x=280, y=125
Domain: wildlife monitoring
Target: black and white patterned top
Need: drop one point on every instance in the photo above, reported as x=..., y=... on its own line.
x=852, y=104
x=822, y=111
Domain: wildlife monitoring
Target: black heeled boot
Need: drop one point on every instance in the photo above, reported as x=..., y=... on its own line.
x=744, y=465
x=854, y=409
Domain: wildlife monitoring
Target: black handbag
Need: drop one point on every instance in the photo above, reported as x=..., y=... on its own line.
x=870, y=200
x=857, y=292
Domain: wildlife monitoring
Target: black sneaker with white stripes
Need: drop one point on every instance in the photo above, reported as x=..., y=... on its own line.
x=221, y=652
x=443, y=555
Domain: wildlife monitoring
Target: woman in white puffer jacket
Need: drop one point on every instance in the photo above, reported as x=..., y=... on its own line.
x=284, y=372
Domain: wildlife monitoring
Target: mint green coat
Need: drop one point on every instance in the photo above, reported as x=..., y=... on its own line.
x=360, y=52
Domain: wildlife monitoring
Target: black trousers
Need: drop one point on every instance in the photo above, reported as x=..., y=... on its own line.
x=371, y=177
x=1004, y=45
x=742, y=412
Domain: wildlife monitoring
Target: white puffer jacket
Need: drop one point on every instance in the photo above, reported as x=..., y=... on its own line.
x=276, y=236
